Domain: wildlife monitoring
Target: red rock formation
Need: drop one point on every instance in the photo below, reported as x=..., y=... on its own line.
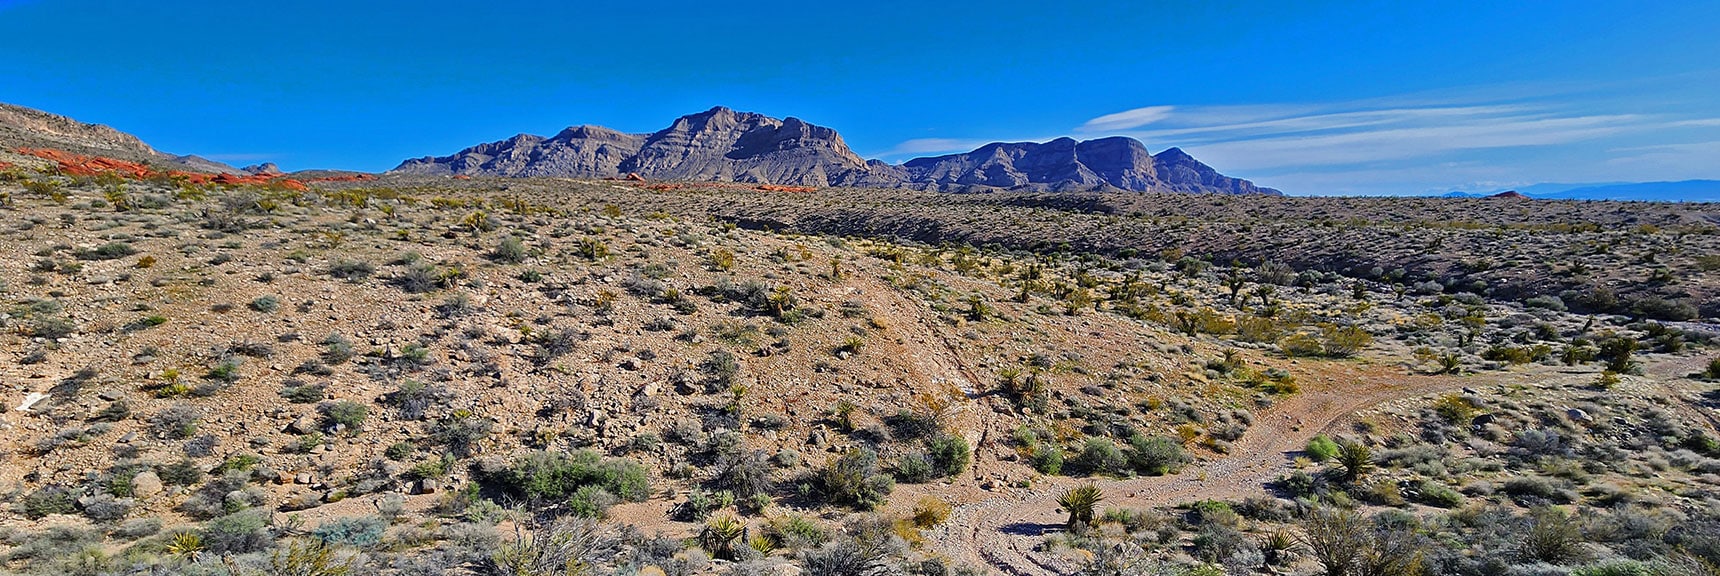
x=777, y=188
x=80, y=165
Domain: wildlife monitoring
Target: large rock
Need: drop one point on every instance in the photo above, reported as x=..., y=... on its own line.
x=146, y=484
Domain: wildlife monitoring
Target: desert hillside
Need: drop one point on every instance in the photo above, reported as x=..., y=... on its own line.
x=419, y=375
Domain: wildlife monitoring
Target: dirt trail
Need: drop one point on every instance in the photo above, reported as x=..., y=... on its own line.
x=1001, y=531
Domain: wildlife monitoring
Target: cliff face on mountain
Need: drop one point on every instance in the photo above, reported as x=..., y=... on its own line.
x=585, y=151
x=722, y=145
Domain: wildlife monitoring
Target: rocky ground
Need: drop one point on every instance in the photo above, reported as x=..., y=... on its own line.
x=425, y=376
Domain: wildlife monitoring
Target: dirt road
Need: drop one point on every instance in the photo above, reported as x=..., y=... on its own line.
x=1001, y=532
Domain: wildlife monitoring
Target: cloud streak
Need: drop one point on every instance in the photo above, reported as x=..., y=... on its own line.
x=1127, y=119
x=1466, y=140
x=1454, y=139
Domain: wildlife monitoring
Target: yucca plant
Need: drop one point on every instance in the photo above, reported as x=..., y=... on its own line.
x=1080, y=502
x=1277, y=546
x=1356, y=458
x=187, y=545
x=720, y=535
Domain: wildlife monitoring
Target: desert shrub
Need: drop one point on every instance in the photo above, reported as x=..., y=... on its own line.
x=509, y=251
x=853, y=479
x=1344, y=341
x=461, y=432
x=301, y=393
x=47, y=500
x=1321, y=449
x=1155, y=455
x=1553, y=537
x=930, y=512
x=344, y=413
x=1047, y=458
x=1534, y=489
x=351, y=270
x=914, y=467
x=336, y=349
x=200, y=446
x=569, y=546
x=701, y=503
x=309, y=558
x=557, y=477
x=266, y=304
x=1456, y=409
x=238, y=533
x=746, y=473
x=949, y=455
x=108, y=251
x=1300, y=344
x=226, y=371
x=1663, y=309
x=1099, y=456
x=1436, y=494
x=413, y=399
x=1546, y=301
x=181, y=473
x=360, y=532
x=177, y=422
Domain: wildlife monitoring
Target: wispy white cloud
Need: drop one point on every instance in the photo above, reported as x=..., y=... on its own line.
x=1468, y=139
x=1399, y=139
x=1127, y=119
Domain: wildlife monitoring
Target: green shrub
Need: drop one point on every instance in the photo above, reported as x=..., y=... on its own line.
x=349, y=270
x=853, y=479
x=914, y=467
x=266, y=304
x=949, y=455
x=181, y=473
x=1300, y=344
x=1155, y=455
x=1100, y=456
x=238, y=533
x=1345, y=341
x=109, y=251
x=360, y=532
x=305, y=393
x=1436, y=494
x=509, y=251
x=557, y=477
x=1321, y=449
x=47, y=500
x=345, y=412
x=1047, y=458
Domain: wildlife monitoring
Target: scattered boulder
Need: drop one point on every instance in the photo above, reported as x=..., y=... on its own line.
x=146, y=484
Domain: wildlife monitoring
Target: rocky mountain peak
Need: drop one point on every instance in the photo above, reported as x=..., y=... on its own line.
x=725, y=145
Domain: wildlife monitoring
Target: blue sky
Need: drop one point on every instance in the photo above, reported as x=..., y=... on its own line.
x=1310, y=97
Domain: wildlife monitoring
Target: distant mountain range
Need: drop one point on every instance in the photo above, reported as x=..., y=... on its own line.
x=728, y=146
x=1681, y=191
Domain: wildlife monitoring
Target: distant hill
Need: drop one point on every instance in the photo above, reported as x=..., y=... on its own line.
x=1681, y=191
x=31, y=128
x=723, y=145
